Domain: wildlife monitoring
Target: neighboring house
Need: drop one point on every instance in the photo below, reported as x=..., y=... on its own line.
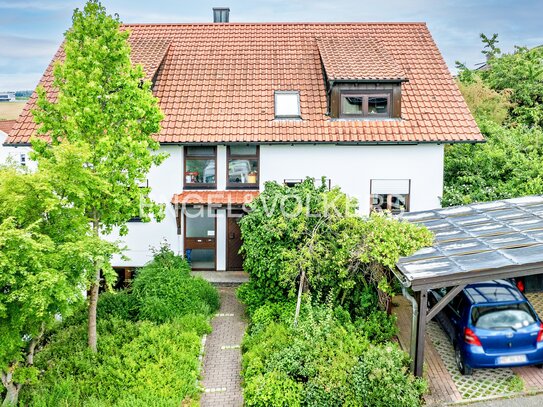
x=7, y=97
x=369, y=106
x=14, y=154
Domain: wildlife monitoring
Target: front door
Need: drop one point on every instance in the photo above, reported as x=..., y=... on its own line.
x=200, y=238
x=234, y=260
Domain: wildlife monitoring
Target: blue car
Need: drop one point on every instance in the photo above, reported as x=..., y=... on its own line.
x=491, y=324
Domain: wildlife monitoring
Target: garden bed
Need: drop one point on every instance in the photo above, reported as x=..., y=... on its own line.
x=148, y=348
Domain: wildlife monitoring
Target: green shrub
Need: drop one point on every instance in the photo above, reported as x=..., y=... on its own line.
x=273, y=389
x=282, y=312
x=381, y=379
x=136, y=364
x=322, y=349
x=326, y=354
x=120, y=304
x=165, y=290
x=378, y=327
x=312, y=228
x=250, y=295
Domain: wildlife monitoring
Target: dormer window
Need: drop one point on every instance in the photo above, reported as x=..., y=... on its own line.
x=287, y=105
x=356, y=104
x=363, y=82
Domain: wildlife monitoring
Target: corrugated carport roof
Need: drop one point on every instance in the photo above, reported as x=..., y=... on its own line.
x=477, y=242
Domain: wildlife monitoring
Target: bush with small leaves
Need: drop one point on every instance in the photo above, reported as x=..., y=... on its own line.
x=273, y=389
x=382, y=379
x=165, y=290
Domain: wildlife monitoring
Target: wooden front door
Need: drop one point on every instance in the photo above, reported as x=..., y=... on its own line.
x=234, y=260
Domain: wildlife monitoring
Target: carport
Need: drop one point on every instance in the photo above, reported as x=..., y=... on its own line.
x=473, y=243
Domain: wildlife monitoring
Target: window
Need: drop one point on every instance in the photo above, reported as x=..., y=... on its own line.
x=242, y=167
x=365, y=105
x=22, y=159
x=390, y=195
x=292, y=182
x=512, y=316
x=287, y=105
x=200, y=168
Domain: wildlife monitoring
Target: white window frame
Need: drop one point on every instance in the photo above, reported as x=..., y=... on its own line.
x=390, y=188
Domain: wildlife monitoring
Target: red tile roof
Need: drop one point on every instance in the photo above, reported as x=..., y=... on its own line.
x=216, y=83
x=356, y=58
x=149, y=52
x=6, y=125
x=214, y=197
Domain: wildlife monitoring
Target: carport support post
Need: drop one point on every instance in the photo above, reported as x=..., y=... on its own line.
x=418, y=363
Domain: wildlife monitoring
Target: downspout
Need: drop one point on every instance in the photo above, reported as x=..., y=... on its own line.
x=414, y=320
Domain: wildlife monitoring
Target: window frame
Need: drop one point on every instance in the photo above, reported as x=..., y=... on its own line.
x=240, y=185
x=365, y=95
x=286, y=92
x=187, y=156
x=390, y=196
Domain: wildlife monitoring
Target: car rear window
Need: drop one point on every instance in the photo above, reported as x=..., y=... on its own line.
x=502, y=316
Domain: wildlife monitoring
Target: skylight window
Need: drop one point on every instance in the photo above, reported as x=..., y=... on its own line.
x=287, y=104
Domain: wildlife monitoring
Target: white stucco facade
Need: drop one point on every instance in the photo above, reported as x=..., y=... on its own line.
x=351, y=167
x=16, y=155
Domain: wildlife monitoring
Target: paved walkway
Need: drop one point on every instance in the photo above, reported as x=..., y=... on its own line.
x=224, y=278
x=222, y=359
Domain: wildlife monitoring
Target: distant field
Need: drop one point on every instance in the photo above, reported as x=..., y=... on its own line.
x=11, y=110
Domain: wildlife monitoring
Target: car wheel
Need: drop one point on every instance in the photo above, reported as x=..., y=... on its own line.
x=465, y=369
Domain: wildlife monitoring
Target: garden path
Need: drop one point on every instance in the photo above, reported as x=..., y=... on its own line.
x=222, y=357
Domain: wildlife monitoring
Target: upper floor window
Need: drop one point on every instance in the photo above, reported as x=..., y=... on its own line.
x=200, y=167
x=390, y=195
x=243, y=166
x=365, y=105
x=287, y=105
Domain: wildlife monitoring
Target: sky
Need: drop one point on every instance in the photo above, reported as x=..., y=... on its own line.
x=31, y=30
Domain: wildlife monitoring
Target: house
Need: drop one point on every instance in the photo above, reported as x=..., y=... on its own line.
x=7, y=97
x=370, y=106
x=14, y=154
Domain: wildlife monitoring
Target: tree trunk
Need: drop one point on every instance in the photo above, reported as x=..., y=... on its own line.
x=93, y=303
x=299, y=299
x=32, y=346
x=12, y=389
x=93, y=297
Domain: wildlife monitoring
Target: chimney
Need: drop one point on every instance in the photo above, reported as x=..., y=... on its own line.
x=221, y=14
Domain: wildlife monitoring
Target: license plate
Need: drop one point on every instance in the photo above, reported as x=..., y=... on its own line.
x=505, y=360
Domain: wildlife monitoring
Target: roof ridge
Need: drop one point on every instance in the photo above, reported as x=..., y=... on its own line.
x=281, y=23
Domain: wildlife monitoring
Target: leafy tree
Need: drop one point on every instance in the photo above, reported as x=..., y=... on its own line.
x=485, y=103
x=45, y=243
x=506, y=100
x=508, y=165
x=308, y=229
x=521, y=75
x=106, y=110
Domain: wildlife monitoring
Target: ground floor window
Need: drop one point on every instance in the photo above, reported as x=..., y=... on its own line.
x=390, y=195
